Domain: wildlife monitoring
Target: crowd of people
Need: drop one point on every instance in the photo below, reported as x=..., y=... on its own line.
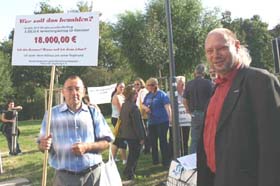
x=146, y=118
x=235, y=121
x=235, y=117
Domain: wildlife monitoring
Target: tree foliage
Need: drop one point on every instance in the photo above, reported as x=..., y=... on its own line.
x=154, y=47
x=109, y=54
x=83, y=6
x=143, y=36
x=137, y=46
x=6, y=90
x=129, y=37
x=254, y=34
x=46, y=8
x=275, y=32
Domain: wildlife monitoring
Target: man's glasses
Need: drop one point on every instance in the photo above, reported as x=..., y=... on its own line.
x=151, y=85
x=71, y=89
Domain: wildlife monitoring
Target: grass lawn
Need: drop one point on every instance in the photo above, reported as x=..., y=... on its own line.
x=29, y=164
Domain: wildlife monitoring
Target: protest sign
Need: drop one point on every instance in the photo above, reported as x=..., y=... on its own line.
x=101, y=95
x=56, y=39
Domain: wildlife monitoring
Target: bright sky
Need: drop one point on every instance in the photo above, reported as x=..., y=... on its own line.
x=268, y=9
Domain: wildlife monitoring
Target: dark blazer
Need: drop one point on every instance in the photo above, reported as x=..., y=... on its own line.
x=131, y=122
x=248, y=134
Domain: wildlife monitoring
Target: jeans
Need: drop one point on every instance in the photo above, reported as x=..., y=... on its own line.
x=196, y=129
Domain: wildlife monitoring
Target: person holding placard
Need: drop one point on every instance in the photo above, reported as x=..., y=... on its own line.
x=78, y=135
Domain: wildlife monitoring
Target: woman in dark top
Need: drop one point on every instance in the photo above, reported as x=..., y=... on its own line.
x=132, y=130
x=9, y=117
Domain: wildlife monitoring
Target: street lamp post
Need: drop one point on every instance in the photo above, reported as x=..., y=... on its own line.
x=172, y=82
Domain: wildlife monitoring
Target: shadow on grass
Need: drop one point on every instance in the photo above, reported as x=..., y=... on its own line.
x=6, y=154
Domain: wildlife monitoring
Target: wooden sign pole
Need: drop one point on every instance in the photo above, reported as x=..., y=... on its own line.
x=45, y=162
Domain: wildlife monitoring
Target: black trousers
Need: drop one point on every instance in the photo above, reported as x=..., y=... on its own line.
x=9, y=136
x=134, y=149
x=159, y=132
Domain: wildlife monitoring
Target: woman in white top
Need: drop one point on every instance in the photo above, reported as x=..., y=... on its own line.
x=117, y=101
x=141, y=92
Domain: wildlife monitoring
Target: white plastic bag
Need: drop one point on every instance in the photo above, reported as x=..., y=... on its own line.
x=110, y=175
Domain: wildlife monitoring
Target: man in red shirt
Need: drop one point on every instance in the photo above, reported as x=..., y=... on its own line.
x=240, y=141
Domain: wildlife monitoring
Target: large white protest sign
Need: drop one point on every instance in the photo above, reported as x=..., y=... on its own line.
x=101, y=95
x=56, y=39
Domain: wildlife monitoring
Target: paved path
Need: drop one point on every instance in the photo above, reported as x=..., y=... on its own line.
x=16, y=182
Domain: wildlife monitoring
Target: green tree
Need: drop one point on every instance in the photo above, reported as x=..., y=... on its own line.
x=83, y=6
x=7, y=47
x=259, y=39
x=275, y=32
x=155, y=46
x=143, y=37
x=129, y=37
x=255, y=34
x=109, y=54
x=6, y=90
x=226, y=19
x=46, y=8
x=188, y=35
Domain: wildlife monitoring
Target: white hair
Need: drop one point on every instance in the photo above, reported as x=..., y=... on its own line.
x=180, y=78
x=243, y=55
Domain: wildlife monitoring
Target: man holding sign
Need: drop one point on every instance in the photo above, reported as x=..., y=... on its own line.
x=78, y=134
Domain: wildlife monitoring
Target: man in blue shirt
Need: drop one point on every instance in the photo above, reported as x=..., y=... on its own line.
x=78, y=134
